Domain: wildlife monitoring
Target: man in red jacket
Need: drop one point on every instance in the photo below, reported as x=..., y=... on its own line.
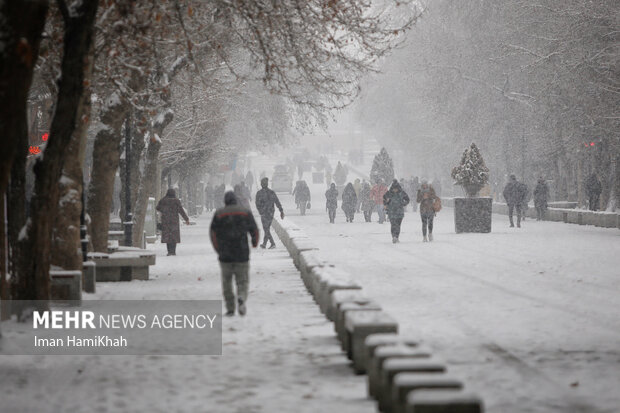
x=376, y=194
x=229, y=236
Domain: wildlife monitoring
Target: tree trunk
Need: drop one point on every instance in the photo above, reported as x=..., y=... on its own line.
x=138, y=130
x=106, y=155
x=149, y=179
x=79, y=25
x=66, y=251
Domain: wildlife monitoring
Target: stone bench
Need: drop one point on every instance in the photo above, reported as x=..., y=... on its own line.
x=384, y=352
x=443, y=401
x=405, y=383
x=89, y=277
x=361, y=324
x=392, y=366
x=126, y=264
x=340, y=296
x=341, y=314
x=66, y=285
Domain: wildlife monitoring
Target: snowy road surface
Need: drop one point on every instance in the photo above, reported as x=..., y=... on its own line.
x=529, y=318
x=282, y=357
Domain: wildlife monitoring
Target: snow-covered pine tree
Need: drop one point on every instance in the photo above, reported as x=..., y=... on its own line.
x=382, y=167
x=472, y=173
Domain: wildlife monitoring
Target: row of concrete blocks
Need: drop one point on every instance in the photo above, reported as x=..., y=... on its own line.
x=600, y=219
x=402, y=376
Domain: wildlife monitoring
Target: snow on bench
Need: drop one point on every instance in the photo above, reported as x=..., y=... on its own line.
x=344, y=308
x=392, y=366
x=128, y=263
x=341, y=296
x=359, y=325
x=333, y=279
x=66, y=285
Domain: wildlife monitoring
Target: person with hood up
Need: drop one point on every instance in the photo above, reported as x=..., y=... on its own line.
x=302, y=196
x=515, y=193
x=170, y=208
x=541, y=194
x=395, y=200
x=229, y=235
x=426, y=197
x=376, y=195
x=331, y=203
x=265, y=201
x=367, y=204
x=349, y=201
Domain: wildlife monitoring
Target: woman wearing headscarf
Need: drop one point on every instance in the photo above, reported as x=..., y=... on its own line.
x=170, y=208
x=331, y=202
x=349, y=201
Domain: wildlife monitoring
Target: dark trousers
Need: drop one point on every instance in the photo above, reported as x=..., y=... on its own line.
x=266, y=221
x=511, y=208
x=593, y=202
x=172, y=247
x=395, y=226
x=332, y=214
x=238, y=270
x=427, y=223
x=540, y=212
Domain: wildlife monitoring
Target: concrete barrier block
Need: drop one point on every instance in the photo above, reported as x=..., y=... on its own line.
x=308, y=260
x=590, y=218
x=393, y=366
x=301, y=244
x=382, y=353
x=331, y=284
x=66, y=285
x=340, y=296
x=443, y=401
x=89, y=276
x=341, y=332
x=361, y=324
x=405, y=383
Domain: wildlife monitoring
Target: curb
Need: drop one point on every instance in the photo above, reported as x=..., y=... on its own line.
x=402, y=376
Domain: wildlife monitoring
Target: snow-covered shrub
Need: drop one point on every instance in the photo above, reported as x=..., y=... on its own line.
x=472, y=174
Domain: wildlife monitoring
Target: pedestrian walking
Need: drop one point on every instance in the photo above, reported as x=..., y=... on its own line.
x=376, y=195
x=427, y=197
x=367, y=204
x=593, y=192
x=170, y=208
x=349, y=201
x=331, y=203
x=541, y=195
x=515, y=193
x=302, y=196
x=395, y=201
x=229, y=235
x=266, y=201
x=357, y=185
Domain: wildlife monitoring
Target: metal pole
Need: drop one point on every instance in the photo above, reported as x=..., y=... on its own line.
x=128, y=224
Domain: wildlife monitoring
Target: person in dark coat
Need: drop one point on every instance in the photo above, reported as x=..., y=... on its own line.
x=541, y=195
x=395, y=200
x=349, y=201
x=367, y=204
x=426, y=198
x=265, y=201
x=593, y=192
x=515, y=193
x=302, y=196
x=331, y=196
x=170, y=208
x=229, y=235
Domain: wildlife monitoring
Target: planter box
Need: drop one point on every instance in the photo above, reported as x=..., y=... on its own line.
x=472, y=214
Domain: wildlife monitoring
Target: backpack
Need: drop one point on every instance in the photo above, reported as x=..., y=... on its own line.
x=437, y=204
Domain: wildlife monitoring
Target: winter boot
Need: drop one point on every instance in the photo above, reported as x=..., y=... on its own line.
x=430, y=236
x=394, y=240
x=425, y=239
x=263, y=245
x=272, y=246
x=242, y=309
x=230, y=313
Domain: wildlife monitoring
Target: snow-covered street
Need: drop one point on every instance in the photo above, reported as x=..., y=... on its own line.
x=529, y=317
x=282, y=357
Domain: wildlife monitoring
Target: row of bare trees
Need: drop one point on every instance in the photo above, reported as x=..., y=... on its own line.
x=530, y=82
x=178, y=78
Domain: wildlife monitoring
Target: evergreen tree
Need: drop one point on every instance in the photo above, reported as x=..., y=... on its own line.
x=382, y=167
x=472, y=173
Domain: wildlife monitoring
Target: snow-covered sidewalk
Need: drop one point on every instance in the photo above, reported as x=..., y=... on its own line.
x=282, y=357
x=529, y=318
